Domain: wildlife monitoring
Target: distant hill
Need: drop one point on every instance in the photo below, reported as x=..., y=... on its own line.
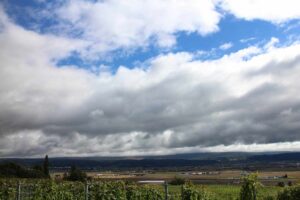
x=217, y=161
x=276, y=157
x=115, y=164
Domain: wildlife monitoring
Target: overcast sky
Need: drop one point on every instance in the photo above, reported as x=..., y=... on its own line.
x=148, y=77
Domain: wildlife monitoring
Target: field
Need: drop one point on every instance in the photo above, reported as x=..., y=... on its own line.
x=220, y=185
x=229, y=192
x=232, y=177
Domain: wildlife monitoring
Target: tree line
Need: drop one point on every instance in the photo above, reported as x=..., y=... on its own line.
x=14, y=170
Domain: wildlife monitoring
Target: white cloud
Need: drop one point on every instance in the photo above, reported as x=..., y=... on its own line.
x=276, y=11
x=271, y=44
x=113, y=24
x=226, y=46
x=246, y=40
x=125, y=26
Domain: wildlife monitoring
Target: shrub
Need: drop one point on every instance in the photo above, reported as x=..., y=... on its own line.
x=75, y=174
x=177, y=181
x=269, y=198
x=190, y=192
x=290, y=193
x=249, y=187
x=281, y=184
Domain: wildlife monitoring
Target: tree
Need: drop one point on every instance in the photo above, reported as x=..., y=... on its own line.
x=76, y=174
x=46, y=166
x=177, y=181
x=13, y=170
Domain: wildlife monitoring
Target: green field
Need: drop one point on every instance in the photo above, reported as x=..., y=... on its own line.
x=119, y=190
x=226, y=192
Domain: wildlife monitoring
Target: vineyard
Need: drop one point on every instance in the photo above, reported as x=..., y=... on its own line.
x=120, y=190
x=49, y=190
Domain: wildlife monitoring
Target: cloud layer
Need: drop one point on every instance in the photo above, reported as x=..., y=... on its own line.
x=174, y=102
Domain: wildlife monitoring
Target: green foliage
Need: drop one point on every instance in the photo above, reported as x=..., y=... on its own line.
x=281, y=184
x=45, y=189
x=41, y=190
x=249, y=187
x=108, y=190
x=132, y=192
x=290, y=193
x=269, y=198
x=149, y=193
x=228, y=192
x=13, y=170
x=190, y=192
x=7, y=190
x=118, y=190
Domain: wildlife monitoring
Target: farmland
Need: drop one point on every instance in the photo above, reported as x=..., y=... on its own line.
x=149, y=179
x=146, y=185
x=46, y=189
x=226, y=177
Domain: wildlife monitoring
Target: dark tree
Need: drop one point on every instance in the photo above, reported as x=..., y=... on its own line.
x=13, y=170
x=76, y=174
x=281, y=184
x=177, y=181
x=46, y=166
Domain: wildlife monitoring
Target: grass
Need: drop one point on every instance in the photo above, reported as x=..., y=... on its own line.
x=227, y=192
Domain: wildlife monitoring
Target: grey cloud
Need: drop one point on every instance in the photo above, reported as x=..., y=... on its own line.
x=197, y=114
x=174, y=103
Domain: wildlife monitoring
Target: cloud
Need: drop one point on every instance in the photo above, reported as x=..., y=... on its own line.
x=226, y=46
x=278, y=11
x=111, y=25
x=174, y=102
x=246, y=40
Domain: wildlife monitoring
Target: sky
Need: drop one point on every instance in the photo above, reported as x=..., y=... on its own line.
x=148, y=77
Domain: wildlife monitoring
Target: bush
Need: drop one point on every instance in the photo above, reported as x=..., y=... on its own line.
x=290, y=193
x=108, y=190
x=249, y=187
x=281, y=184
x=177, y=181
x=76, y=174
x=190, y=192
x=269, y=198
